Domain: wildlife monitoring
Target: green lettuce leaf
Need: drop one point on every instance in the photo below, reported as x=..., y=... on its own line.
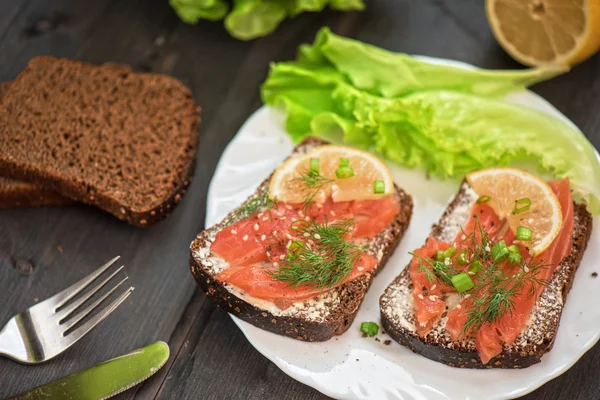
x=446, y=132
x=250, y=19
x=389, y=74
x=190, y=11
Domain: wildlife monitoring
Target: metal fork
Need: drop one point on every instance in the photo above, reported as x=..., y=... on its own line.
x=46, y=329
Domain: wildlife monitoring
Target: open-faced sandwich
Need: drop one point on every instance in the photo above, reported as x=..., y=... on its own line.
x=488, y=287
x=298, y=256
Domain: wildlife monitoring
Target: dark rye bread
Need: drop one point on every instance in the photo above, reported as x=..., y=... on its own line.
x=536, y=339
x=23, y=194
x=103, y=135
x=309, y=321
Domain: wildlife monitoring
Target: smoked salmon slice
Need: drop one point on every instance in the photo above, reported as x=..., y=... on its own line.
x=255, y=246
x=257, y=281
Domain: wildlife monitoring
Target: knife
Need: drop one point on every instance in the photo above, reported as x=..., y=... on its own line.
x=107, y=379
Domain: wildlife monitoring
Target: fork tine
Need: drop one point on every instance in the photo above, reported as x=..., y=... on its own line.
x=61, y=298
x=96, y=319
x=65, y=312
x=86, y=311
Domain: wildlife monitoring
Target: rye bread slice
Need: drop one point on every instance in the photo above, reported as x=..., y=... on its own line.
x=397, y=307
x=315, y=320
x=122, y=141
x=23, y=194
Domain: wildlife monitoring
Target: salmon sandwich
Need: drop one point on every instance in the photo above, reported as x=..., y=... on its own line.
x=488, y=287
x=298, y=256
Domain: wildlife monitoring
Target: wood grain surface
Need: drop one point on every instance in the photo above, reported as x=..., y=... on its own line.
x=210, y=358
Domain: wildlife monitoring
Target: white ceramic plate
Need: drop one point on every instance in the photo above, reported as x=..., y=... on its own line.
x=353, y=367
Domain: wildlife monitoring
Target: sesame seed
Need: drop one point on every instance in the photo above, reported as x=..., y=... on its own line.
x=276, y=265
x=306, y=234
x=467, y=295
x=332, y=213
x=433, y=298
x=245, y=237
x=256, y=227
x=233, y=232
x=459, y=306
x=301, y=214
x=317, y=236
x=526, y=269
x=281, y=257
x=288, y=244
x=463, y=237
x=265, y=218
x=487, y=247
x=260, y=215
x=288, y=206
x=274, y=232
x=268, y=254
x=433, y=286
x=447, y=261
x=288, y=236
x=307, y=218
x=294, y=219
x=360, y=268
x=420, y=296
x=263, y=237
x=530, y=220
x=283, y=218
x=310, y=241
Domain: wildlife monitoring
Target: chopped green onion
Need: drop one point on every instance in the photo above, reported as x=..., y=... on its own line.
x=314, y=165
x=514, y=255
x=439, y=255
x=369, y=328
x=462, y=282
x=344, y=162
x=291, y=254
x=344, y=172
x=442, y=255
x=296, y=244
x=499, y=252
x=483, y=199
x=378, y=187
x=523, y=233
x=521, y=205
x=450, y=252
x=462, y=258
x=475, y=267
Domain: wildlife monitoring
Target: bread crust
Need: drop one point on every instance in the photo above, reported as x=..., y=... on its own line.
x=463, y=354
x=22, y=194
x=299, y=327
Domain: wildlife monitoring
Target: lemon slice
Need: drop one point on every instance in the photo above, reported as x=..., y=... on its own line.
x=287, y=186
x=505, y=186
x=537, y=32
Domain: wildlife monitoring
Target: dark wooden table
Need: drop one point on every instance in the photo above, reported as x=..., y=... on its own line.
x=210, y=358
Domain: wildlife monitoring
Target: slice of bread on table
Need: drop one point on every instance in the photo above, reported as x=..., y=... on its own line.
x=317, y=319
x=398, y=313
x=102, y=135
x=23, y=194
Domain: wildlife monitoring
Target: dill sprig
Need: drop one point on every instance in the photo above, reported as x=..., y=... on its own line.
x=494, y=293
x=256, y=204
x=436, y=270
x=312, y=182
x=324, y=263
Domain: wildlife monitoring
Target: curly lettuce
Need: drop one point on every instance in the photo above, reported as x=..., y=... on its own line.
x=446, y=120
x=250, y=19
